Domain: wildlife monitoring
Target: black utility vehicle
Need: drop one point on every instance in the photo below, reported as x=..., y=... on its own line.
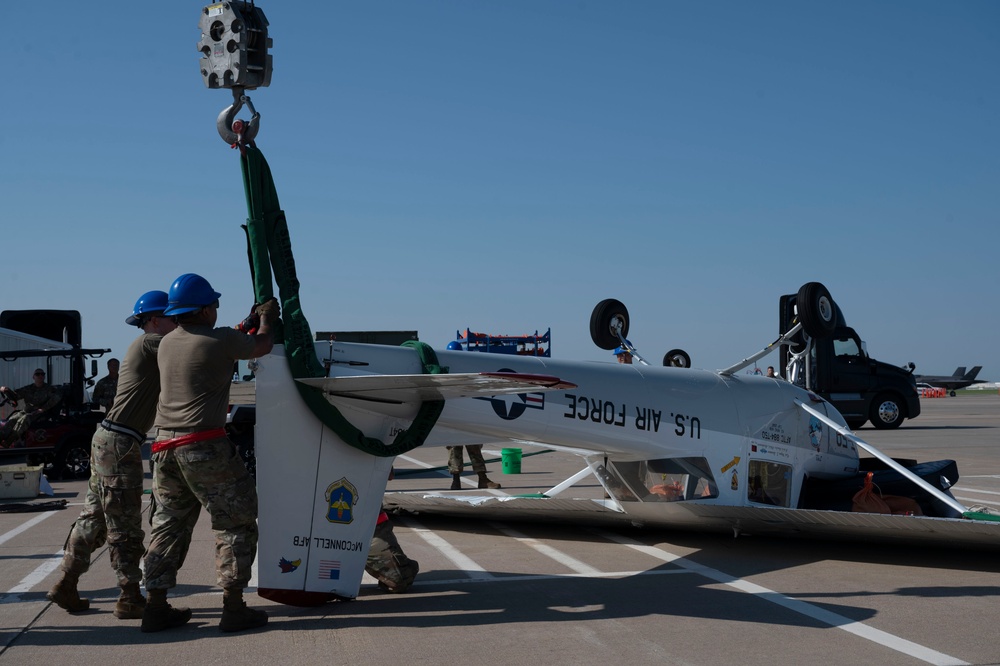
x=60, y=439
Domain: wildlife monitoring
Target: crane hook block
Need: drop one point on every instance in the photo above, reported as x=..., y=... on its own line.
x=234, y=46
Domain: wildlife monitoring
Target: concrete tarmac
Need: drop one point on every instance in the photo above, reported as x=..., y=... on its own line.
x=521, y=593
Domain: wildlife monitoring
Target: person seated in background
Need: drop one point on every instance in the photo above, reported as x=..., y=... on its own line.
x=39, y=398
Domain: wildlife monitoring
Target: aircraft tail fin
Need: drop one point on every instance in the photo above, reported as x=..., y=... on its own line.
x=972, y=373
x=959, y=371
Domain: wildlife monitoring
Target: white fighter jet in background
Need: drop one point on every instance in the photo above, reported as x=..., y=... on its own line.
x=672, y=446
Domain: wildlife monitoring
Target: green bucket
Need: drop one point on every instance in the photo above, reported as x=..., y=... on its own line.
x=511, y=461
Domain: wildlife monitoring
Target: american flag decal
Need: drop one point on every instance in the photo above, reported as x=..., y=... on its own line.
x=329, y=569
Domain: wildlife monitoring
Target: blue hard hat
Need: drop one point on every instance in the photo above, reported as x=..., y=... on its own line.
x=621, y=350
x=455, y=345
x=151, y=301
x=188, y=293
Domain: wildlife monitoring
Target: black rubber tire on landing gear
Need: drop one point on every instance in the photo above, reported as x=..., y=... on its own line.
x=601, y=319
x=816, y=310
x=676, y=358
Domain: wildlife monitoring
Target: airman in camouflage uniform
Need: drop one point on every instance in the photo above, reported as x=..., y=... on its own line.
x=455, y=465
x=387, y=562
x=112, y=511
x=104, y=392
x=195, y=464
x=38, y=398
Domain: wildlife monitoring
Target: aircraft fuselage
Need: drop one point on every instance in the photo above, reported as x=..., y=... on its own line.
x=654, y=422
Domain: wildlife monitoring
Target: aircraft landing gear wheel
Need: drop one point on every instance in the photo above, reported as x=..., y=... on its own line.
x=608, y=319
x=816, y=310
x=886, y=412
x=676, y=358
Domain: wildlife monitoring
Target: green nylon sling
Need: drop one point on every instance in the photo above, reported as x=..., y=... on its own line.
x=269, y=248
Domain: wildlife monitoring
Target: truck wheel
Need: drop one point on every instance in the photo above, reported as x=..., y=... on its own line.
x=816, y=310
x=606, y=317
x=73, y=460
x=886, y=412
x=854, y=424
x=676, y=358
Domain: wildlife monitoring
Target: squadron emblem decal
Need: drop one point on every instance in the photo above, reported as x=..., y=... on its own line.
x=341, y=497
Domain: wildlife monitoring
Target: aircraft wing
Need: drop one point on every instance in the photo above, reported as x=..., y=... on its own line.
x=400, y=389
x=695, y=516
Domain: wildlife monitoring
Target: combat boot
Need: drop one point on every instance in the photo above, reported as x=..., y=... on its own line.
x=387, y=563
x=64, y=594
x=131, y=603
x=456, y=481
x=407, y=572
x=237, y=616
x=159, y=615
x=484, y=482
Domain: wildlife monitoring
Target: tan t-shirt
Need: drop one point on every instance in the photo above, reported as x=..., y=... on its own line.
x=196, y=367
x=138, y=385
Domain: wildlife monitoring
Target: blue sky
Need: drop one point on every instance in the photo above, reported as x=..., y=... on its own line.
x=505, y=166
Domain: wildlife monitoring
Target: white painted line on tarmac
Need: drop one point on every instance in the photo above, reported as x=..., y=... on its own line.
x=975, y=500
x=457, y=558
x=25, y=526
x=418, y=463
x=38, y=575
x=859, y=629
x=974, y=490
x=467, y=480
x=562, y=558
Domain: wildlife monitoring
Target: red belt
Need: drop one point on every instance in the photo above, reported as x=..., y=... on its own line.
x=200, y=436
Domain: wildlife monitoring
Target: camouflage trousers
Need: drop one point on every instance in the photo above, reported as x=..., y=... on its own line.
x=455, y=463
x=14, y=428
x=387, y=562
x=207, y=474
x=112, y=511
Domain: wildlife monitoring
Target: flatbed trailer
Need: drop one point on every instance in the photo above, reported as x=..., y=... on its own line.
x=520, y=345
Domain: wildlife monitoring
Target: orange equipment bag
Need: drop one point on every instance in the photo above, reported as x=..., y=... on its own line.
x=870, y=500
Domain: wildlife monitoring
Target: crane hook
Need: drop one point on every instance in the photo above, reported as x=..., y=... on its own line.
x=234, y=131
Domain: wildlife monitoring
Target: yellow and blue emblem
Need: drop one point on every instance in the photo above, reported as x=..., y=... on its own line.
x=340, y=497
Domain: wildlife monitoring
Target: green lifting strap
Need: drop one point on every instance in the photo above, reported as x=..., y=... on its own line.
x=270, y=249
